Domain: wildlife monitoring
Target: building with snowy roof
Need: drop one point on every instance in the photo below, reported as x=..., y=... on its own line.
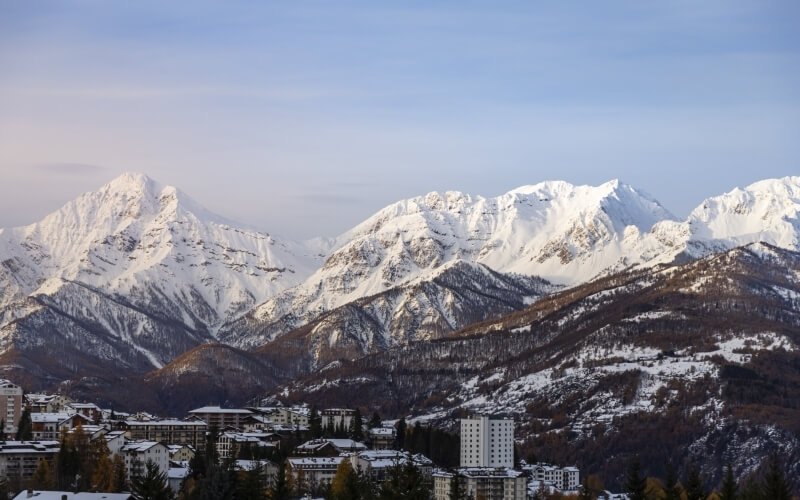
x=220, y=418
x=313, y=471
x=21, y=458
x=381, y=438
x=379, y=463
x=191, y=432
x=136, y=454
x=68, y=495
x=491, y=483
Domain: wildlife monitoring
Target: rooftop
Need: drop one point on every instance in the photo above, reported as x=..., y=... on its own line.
x=217, y=409
x=59, y=495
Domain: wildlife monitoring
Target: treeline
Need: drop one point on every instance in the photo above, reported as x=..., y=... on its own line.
x=769, y=483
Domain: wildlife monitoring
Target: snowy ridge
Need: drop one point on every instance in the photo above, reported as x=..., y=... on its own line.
x=562, y=233
x=135, y=238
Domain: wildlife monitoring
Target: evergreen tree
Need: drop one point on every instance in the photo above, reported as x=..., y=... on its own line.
x=375, y=420
x=251, y=484
x=42, y=479
x=281, y=489
x=749, y=489
x=3, y=436
x=635, y=484
x=775, y=486
x=25, y=427
x=356, y=431
x=458, y=489
x=152, y=485
x=671, y=489
x=406, y=482
x=694, y=485
x=400, y=438
x=728, y=487
x=315, y=423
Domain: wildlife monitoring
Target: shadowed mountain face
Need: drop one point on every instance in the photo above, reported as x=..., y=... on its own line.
x=692, y=362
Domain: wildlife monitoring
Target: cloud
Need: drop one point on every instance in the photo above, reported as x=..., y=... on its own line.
x=70, y=168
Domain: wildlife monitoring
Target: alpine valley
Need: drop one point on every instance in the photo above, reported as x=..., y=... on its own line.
x=605, y=325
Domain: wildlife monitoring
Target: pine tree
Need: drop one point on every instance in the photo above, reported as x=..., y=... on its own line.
x=635, y=484
x=405, y=481
x=458, y=489
x=251, y=485
x=281, y=489
x=356, y=431
x=671, y=489
x=728, y=487
x=25, y=427
x=152, y=485
x=315, y=423
x=400, y=438
x=375, y=420
x=694, y=485
x=775, y=486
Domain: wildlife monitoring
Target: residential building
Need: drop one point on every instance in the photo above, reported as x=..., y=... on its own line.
x=180, y=452
x=499, y=483
x=337, y=418
x=220, y=418
x=89, y=410
x=115, y=441
x=47, y=403
x=487, y=441
x=564, y=479
x=10, y=406
x=295, y=415
x=21, y=458
x=136, y=454
x=68, y=495
x=378, y=463
x=231, y=444
x=191, y=432
x=313, y=471
x=269, y=470
x=47, y=426
x=381, y=438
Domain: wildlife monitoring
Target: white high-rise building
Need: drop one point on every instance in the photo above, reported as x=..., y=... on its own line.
x=487, y=442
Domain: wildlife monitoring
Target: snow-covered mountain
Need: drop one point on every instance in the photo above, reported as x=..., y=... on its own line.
x=562, y=233
x=766, y=211
x=137, y=273
x=135, y=255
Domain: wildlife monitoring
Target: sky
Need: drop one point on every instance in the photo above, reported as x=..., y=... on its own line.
x=304, y=118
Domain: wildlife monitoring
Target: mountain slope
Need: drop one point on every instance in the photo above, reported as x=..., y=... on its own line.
x=553, y=230
x=137, y=269
x=697, y=361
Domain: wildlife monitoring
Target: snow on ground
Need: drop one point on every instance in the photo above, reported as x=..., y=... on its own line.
x=655, y=371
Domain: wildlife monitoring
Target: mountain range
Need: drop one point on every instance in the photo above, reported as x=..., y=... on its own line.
x=136, y=273
x=586, y=311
